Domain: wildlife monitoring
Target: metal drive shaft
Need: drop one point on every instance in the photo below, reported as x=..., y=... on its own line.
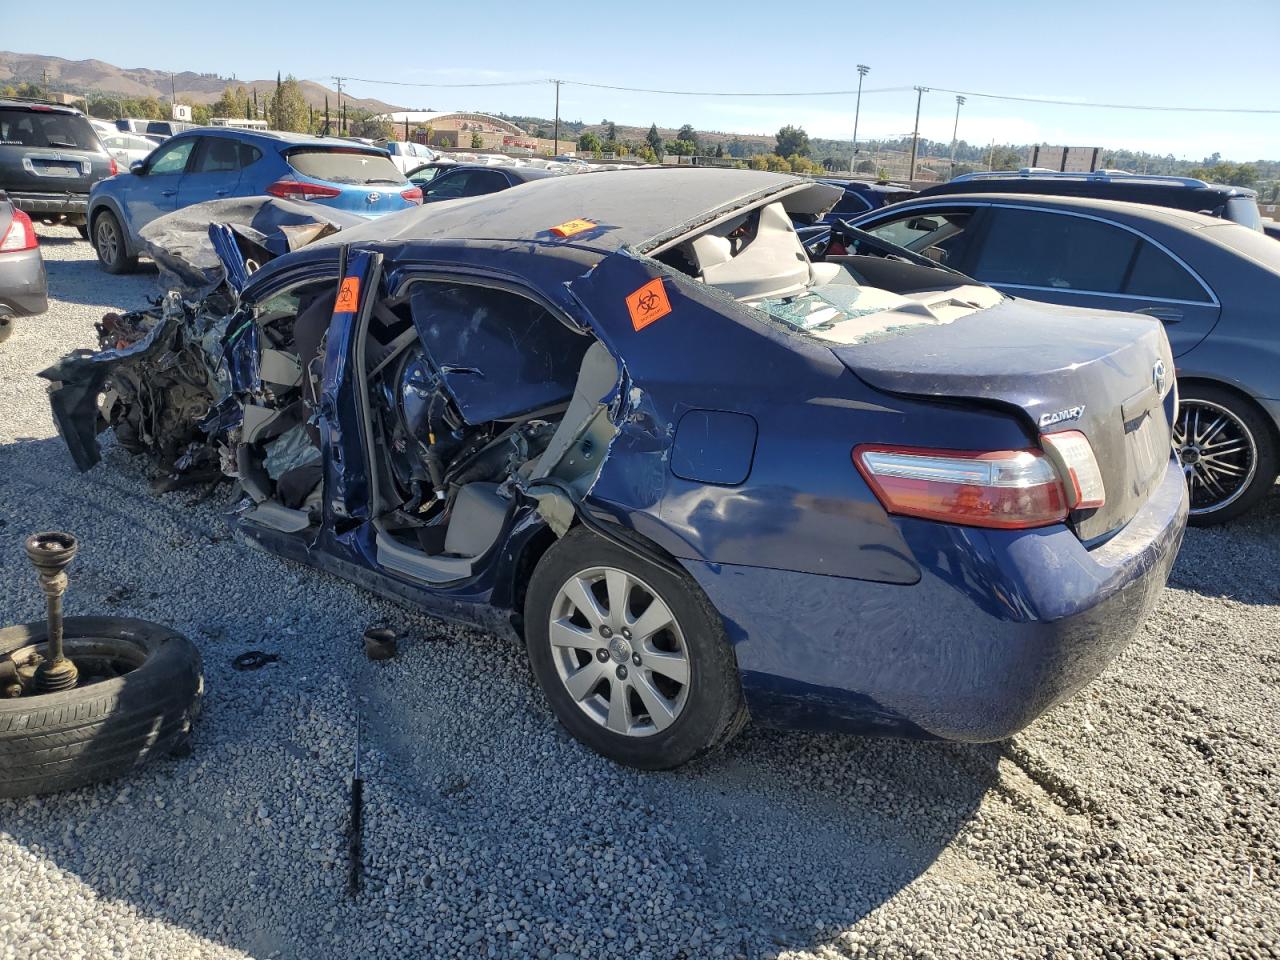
x=51, y=552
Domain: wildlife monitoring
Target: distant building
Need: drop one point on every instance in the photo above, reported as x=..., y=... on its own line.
x=460, y=130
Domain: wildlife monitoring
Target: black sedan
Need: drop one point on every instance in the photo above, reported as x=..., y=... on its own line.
x=451, y=181
x=1213, y=284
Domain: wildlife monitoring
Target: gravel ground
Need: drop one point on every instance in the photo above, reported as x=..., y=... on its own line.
x=1141, y=819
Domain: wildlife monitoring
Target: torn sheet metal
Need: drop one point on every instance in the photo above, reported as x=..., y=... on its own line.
x=154, y=375
x=262, y=228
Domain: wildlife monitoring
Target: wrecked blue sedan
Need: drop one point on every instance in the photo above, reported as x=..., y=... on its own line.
x=703, y=478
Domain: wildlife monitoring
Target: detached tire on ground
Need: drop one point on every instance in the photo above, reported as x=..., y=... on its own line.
x=140, y=692
x=632, y=657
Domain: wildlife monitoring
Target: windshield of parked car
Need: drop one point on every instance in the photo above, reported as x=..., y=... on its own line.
x=41, y=128
x=345, y=166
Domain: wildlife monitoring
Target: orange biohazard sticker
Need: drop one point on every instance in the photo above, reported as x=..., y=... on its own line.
x=648, y=304
x=348, y=296
x=570, y=227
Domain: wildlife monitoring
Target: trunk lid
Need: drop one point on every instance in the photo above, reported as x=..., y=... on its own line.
x=1104, y=374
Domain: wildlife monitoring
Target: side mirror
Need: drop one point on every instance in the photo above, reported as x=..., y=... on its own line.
x=138, y=167
x=923, y=224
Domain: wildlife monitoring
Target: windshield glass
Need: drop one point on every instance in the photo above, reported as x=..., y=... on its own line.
x=40, y=128
x=345, y=166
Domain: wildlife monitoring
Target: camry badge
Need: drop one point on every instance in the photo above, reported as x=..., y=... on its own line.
x=1158, y=374
x=1061, y=416
x=373, y=197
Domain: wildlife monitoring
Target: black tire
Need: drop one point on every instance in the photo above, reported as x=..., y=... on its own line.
x=1257, y=463
x=57, y=741
x=712, y=710
x=110, y=245
x=83, y=230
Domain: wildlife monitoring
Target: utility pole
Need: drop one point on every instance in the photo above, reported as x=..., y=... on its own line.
x=991, y=156
x=915, y=134
x=556, y=152
x=954, y=133
x=863, y=70
x=341, y=113
x=173, y=93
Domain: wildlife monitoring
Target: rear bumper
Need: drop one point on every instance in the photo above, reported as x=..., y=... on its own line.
x=1001, y=626
x=51, y=203
x=24, y=290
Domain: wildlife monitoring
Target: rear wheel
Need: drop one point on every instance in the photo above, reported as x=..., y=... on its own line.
x=633, y=658
x=1228, y=453
x=109, y=244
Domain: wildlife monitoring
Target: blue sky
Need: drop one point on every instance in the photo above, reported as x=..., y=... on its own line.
x=1172, y=53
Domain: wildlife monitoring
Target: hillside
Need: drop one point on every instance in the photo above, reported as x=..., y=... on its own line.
x=97, y=76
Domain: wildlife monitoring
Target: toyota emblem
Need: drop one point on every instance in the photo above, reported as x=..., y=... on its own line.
x=373, y=197
x=1158, y=373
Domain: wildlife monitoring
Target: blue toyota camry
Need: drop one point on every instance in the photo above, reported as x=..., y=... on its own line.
x=701, y=477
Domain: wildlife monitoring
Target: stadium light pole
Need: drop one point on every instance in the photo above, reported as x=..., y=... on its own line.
x=915, y=134
x=955, y=133
x=863, y=70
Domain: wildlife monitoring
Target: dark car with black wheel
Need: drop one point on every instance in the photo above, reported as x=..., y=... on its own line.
x=50, y=158
x=1213, y=284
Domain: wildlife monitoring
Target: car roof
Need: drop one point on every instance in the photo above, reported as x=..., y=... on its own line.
x=1170, y=216
x=519, y=173
x=1087, y=184
x=869, y=186
x=621, y=205
x=281, y=137
x=38, y=106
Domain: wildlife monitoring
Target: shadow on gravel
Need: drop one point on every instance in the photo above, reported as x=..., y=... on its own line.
x=1235, y=560
x=85, y=283
x=489, y=832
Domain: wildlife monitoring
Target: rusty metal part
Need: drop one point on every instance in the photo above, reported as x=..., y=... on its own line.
x=51, y=552
x=379, y=643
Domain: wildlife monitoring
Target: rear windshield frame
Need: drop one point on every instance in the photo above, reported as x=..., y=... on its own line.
x=86, y=136
x=346, y=170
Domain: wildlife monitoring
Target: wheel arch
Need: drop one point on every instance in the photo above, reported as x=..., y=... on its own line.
x=112, y=206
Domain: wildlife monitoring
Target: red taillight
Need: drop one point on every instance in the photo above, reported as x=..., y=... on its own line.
x=1005, y=489
x=413, y=194
x=20, y=235
x=298, y=190
x=114, y=169
x=1076, y=460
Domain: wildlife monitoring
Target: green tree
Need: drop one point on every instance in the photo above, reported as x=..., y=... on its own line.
x=647, y=154
x=865, y=166
x=687, y=133
x=719, y=149
x=477, y=141
x=654, y=139
x=610, y=132
x=289, y=107
x=1235, y=174
x=681, y=148
x=792, y=140
x=758, y=162
x=589, y=143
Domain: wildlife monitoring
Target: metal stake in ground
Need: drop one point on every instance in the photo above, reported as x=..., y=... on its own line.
x=357, y=809
x=51, y=552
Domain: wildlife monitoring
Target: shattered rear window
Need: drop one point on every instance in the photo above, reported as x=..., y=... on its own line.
x=345, y=166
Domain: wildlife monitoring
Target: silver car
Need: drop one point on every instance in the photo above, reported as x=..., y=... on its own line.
x=24, y=291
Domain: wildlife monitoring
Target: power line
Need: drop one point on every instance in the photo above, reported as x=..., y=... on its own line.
x=739, y=93
x=821, y=93
x=1106, y=106
x=407, y=83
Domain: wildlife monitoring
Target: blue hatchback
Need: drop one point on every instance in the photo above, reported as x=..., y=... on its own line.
x=213, y=163
x=625, y=419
